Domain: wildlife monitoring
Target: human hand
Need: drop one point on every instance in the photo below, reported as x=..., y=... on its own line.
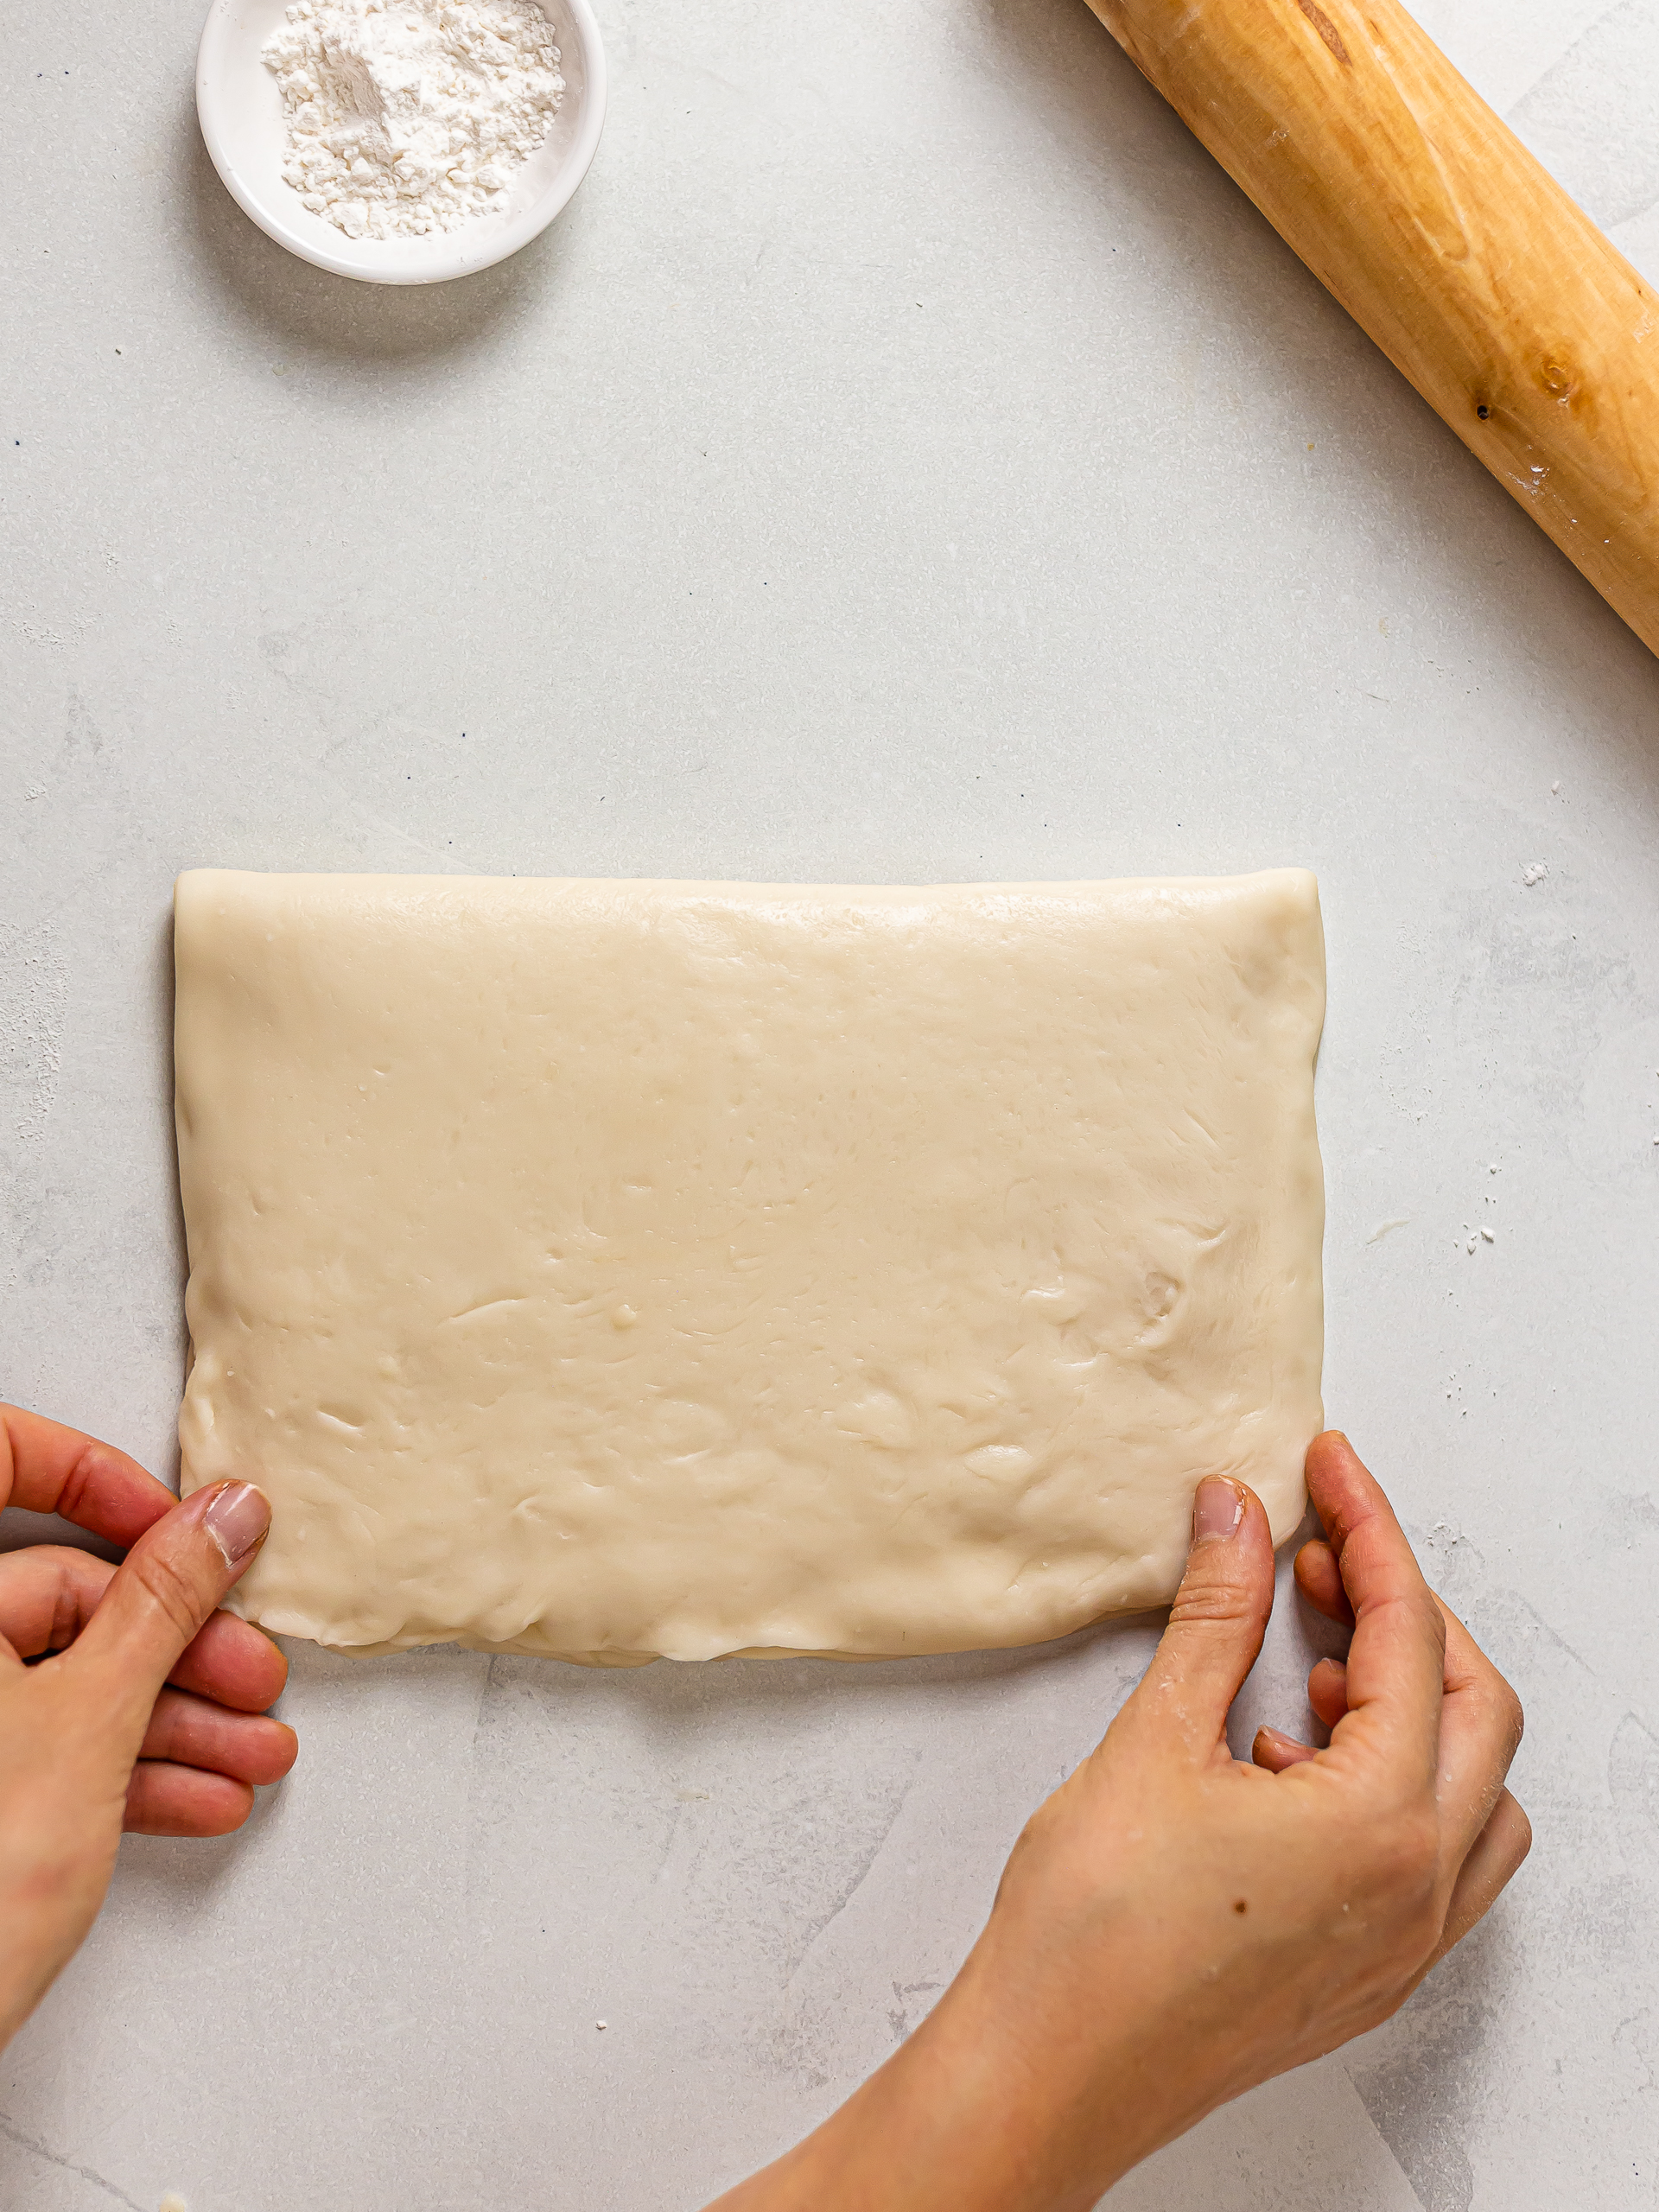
x=150, y=1715
x=1175, y=1925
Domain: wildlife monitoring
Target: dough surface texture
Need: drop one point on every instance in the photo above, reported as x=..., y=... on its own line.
x=616, y=1269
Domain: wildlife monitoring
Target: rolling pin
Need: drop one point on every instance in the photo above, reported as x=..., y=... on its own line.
x=1449, y=244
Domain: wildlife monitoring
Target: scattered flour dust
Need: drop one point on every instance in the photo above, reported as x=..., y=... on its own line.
x=411, y=116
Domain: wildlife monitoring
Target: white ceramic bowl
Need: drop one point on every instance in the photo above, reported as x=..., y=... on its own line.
x=241, y=114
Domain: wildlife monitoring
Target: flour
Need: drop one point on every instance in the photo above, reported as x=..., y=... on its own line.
x=411, y=116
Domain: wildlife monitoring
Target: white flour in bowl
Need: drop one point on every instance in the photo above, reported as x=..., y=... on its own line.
x=411, y=116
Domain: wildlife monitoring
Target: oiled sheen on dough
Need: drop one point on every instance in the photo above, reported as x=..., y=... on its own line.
x=616, y=1268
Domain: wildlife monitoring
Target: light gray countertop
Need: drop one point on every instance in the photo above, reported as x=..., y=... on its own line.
x=908, y=458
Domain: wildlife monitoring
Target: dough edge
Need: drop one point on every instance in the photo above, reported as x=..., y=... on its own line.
x=526, y=1647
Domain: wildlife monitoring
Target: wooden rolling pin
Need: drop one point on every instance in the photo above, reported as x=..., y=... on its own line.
x=1460, y=254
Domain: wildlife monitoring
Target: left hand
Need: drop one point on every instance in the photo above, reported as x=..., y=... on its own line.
x=146, y=1710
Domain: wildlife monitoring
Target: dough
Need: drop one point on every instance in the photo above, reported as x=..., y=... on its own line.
x=615, y=1269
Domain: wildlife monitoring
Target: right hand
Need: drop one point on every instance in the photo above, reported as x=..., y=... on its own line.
x=1176, y=1925
x=145, y=1708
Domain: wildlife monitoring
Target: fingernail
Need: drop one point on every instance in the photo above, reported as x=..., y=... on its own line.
x=1217, y=1510
x=236, y=1520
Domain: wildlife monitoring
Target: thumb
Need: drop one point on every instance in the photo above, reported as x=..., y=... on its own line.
x=164, y=1594
x=1217, y=1620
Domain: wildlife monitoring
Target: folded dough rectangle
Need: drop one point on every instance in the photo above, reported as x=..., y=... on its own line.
x=613, y=1269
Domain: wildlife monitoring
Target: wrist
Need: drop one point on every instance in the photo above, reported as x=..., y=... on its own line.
x=993, y=2105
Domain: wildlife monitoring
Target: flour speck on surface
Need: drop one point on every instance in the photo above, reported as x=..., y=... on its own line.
x=406, y=116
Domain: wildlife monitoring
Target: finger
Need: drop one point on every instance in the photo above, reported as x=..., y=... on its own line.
x=1480, y=1717
x=48, y=1468
x=162, y=1596
x=1327, y=1692
x=1216, y=1622
x=1397, y=1659
x=166, y=1799
x=1320, y=1579
x=1498, y=1852
x=1481, y=1724
x=1276, y=1751
x=1327, y=1695
x=193, y=1731
x=234, y=1664
x=47, y=1594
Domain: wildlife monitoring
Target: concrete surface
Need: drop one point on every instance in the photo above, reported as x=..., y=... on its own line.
x=908, y=458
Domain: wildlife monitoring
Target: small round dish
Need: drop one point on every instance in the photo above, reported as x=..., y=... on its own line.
x=242, y=121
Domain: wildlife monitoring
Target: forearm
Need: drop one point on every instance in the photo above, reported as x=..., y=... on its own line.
x=980, y=2111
